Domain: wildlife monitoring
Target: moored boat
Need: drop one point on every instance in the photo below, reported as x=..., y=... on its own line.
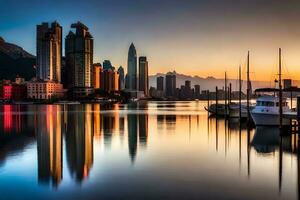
x=266, y=111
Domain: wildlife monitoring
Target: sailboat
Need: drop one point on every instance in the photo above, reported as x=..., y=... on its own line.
x=241, y=110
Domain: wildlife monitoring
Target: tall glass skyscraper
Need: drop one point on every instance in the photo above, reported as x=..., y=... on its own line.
x=49, y=51
x=131, y=83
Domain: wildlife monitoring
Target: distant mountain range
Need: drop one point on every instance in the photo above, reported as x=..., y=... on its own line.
x=210, y=83
x=14, y=60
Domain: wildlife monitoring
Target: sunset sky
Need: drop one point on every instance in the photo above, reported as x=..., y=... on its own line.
x=195, y=37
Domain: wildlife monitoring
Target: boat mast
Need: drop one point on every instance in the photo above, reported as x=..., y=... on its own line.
x=225, y=95
x=240, y=93
x=248, y=88
x=280, y=91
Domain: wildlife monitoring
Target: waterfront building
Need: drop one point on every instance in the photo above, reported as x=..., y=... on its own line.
x=171, y=84
x=97, y=71
x=110, y=81
x=49, y=51
x=121, y=78
x=143, y=75
x=132, y=69
x=44, y=90
x=160, y=83
x=79, y=59
x=14, y=91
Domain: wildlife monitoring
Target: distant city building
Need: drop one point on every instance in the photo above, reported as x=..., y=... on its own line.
x=160, y=83
x=187, y=89
x=97, y=71
x=79, y=60
x=171, y=84
x=143, y=75
x=49, y=51
x=131, y=82
x=121, y=78
x=197, y=91
x=107, y=65
x=44, y=90
x=287, y=83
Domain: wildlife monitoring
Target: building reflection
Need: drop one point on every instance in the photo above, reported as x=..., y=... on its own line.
x=16, y=131
x=49, y=146
x=132, y=135
x=143, y=129
x=79, y=142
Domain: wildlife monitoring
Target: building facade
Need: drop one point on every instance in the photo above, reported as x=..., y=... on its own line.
x=131, y=82
x=171, y=84
x=160, y=83
x=79, y=59
x=44, y=90
x=49, y=51
x=97, y=71
x=143, y=75
x=121, y=78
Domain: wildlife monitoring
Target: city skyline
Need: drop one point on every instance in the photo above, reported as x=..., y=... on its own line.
x=195, y=37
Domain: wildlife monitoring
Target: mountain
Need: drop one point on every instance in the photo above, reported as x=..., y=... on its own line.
x=210, y=83
x=14, y=60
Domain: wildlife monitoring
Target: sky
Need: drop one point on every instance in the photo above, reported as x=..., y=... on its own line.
x=193, y=37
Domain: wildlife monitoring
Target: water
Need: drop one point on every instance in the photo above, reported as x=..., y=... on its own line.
x=154, y=150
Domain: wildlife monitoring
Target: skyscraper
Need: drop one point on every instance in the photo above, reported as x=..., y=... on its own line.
x=143, y=75
x=49, y=51
x=160, y=83
x=171, y=84
x=132, y=69
x=107, y=65
x=121, y=78
x=79, y=59
x=197, y=91
x=97, y=70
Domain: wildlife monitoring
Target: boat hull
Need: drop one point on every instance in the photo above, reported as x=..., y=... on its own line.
x=263, y=119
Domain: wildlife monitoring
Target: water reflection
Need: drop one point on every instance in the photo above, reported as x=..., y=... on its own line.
x=152, y=145
x=49, y=146
x=79, y=142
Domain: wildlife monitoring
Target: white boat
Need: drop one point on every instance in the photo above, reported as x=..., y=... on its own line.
x=266, y=111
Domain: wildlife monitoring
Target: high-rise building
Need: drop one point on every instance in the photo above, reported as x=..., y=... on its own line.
x=97, y=70
x=171, y=84
x=143, y=75
x=107, y=65
x=187, y=89
x=110, y=80
x=160, y=83
x=197, y=91
x=121, y=78
x=79, y=60
x=132, y=69
x=49, y=51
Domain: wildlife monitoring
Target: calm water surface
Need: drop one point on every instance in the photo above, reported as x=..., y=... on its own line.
x=154, y=150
